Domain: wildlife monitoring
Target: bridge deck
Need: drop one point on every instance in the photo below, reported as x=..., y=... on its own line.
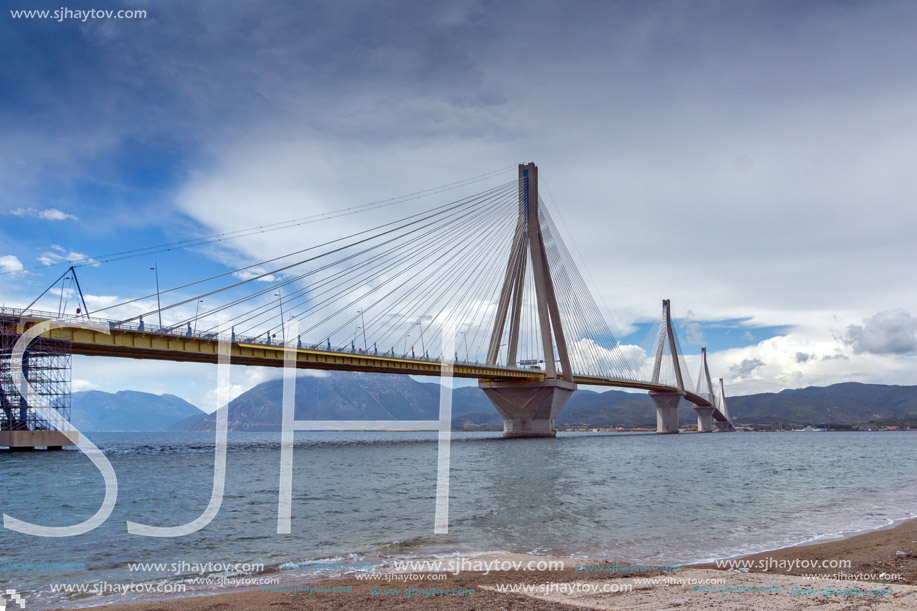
x=137, y=343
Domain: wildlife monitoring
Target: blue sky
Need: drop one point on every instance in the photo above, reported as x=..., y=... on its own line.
x=750, y=162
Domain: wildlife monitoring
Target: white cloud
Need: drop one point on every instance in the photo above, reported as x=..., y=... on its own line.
x=635, y=355
x=193, y=382
x=255, y=272
x=66, y=293
x=890, y=332
x=694, y=335
x=47, y=214
x=10, y=264
x=96, y=302
x=807, y=356
x=79, y=385
x=59, y=254
x=638, y=359
x=250, y=377
x=69, y=295
x=588, y=357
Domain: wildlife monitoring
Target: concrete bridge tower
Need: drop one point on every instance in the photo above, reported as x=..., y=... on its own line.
x=667, y=402
x=724, y=425
x=529, y=409
x=705, y=389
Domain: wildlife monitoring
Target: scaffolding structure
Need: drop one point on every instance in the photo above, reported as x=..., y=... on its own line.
x=47, y=366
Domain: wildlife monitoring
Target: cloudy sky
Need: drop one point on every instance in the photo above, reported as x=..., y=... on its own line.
x=753, y=162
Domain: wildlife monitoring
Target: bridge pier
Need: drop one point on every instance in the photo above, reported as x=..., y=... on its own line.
x=528, y=410
x=724, y=426
x=666, y=410
x=20, y=441
x=704, y=418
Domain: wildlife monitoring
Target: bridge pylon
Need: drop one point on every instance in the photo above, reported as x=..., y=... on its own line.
x=705, y=390
x=667, y=402
x=724, y=425
x=529, y=409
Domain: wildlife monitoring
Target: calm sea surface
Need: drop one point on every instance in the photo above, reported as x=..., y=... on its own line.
x=370, y=497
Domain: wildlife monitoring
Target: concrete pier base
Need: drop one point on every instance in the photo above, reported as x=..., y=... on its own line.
x=666, y=410
x=723, y=426
x=528, y=410
x=30, y=440
x=704, y=419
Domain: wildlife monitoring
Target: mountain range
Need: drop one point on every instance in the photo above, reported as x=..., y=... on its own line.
x=127, y=411
x=361, y=396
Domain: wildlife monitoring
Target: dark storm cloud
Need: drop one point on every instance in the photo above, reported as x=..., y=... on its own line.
x=194, y=68
x=213, y=63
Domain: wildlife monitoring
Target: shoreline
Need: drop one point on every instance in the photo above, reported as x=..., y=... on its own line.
x=882, y=560
x=815, y=541
x=864, y=549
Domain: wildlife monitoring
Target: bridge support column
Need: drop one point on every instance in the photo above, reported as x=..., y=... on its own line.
x=704, y=419
x=528, y=410
x=724, y=426
x=666, y=410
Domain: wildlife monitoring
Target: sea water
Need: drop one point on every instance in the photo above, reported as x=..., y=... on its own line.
x=369, y=498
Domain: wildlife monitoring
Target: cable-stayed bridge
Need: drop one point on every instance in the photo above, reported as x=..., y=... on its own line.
x=488, y=275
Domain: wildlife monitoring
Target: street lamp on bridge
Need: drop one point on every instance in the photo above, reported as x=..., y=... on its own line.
x=61, y=306
x=283, y=332
x=158, y=303
x=422, y=347
x=196, y=311
x=363, y=326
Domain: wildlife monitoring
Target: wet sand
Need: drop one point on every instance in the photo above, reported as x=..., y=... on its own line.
x=882, y=575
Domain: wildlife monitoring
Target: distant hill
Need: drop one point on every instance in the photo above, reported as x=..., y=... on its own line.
x=359, y=396
x=839, y=404
x=128, y=411
x=350, y=396
x=362, y=396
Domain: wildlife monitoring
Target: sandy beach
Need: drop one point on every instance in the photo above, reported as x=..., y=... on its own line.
x=874, y=570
